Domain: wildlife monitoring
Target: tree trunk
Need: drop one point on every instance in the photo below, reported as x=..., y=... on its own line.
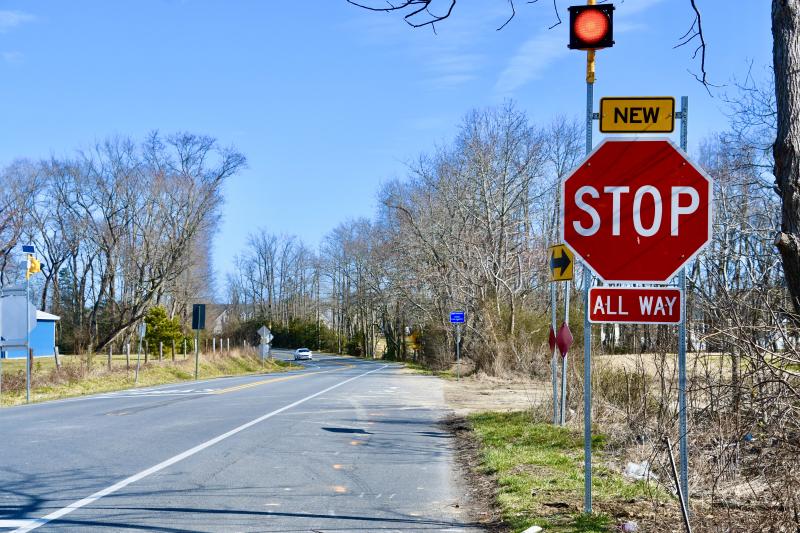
x=786, y=61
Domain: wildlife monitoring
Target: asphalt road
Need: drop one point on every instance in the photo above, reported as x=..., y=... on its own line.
x=344, y=445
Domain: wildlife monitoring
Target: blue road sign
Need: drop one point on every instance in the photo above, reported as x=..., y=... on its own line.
x=28, y=248
x=457, y=317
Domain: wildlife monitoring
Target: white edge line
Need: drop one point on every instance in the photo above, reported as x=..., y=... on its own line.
x=55, y=515
x=14, y=523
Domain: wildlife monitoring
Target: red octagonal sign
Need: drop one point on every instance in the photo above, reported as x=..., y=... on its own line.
x=636, y=211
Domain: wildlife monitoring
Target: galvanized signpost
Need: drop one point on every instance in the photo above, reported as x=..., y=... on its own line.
x=142, y=333
x=198, y=323
x=458, y=318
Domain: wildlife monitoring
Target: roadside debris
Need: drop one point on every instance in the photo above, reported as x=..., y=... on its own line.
x=639, y=471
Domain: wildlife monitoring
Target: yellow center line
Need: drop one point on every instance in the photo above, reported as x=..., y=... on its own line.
x=275, y=380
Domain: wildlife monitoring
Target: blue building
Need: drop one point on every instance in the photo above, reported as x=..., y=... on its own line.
x=43, y=338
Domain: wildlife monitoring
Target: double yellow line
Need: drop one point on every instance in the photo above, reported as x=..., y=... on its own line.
x=282, y=378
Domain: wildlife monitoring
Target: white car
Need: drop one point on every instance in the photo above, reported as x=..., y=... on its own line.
x=302, y=353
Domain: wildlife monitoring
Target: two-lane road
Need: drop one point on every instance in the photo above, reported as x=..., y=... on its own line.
x=344, y=445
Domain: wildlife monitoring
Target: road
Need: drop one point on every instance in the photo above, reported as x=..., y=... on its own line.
x=343, y=445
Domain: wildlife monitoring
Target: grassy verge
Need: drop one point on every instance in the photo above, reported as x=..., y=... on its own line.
x=539, y=469
x=421, y=369
x=79, y=376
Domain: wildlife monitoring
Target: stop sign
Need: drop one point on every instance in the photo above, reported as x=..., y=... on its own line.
x=636, y=210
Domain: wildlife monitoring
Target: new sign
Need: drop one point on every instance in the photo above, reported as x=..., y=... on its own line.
x=637, y=114
x=636, y=211
x=635, y=305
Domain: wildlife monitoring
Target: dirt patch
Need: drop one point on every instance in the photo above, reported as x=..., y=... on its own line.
x=484, y=393
x=481, y=488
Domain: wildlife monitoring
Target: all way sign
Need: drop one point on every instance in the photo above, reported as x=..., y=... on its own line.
x=635, y=305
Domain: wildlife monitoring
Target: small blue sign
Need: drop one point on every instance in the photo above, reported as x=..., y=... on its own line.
x=457, y=317
x=28, y=249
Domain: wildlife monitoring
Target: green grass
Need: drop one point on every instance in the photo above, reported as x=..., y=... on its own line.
x=539, y=469
x=425, y=371
x=77, y=378
x=419, y=368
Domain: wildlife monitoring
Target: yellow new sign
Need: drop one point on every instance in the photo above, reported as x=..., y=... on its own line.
x=561, y=263
x=637, y=114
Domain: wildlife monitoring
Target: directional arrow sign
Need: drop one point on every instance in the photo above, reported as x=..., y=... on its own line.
x=561, y=263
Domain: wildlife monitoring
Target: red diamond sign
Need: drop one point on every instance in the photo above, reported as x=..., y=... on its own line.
x=564, y=339
x=636, y=211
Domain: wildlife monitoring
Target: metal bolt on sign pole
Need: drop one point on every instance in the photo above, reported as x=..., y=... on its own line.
x=587, y=326
x=682, y=426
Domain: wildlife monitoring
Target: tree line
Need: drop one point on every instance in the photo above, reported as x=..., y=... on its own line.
x=468, y=228
x=119, y=227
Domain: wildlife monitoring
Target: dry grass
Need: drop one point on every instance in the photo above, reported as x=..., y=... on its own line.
x=81, y=375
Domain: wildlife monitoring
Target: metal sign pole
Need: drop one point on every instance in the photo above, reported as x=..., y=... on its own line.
x=564, y=360
x=554, y=361
x=682, y=426
x=587, y=326
x=197, y=355
x=2, y=350
x=458, y=352
x=27, y=341
x=138, y=359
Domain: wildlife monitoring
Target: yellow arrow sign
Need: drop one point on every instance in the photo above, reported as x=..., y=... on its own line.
x=561, y=263
x=637, y=114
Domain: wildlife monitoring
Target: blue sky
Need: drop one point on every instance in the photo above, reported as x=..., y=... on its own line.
x=327, y=101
